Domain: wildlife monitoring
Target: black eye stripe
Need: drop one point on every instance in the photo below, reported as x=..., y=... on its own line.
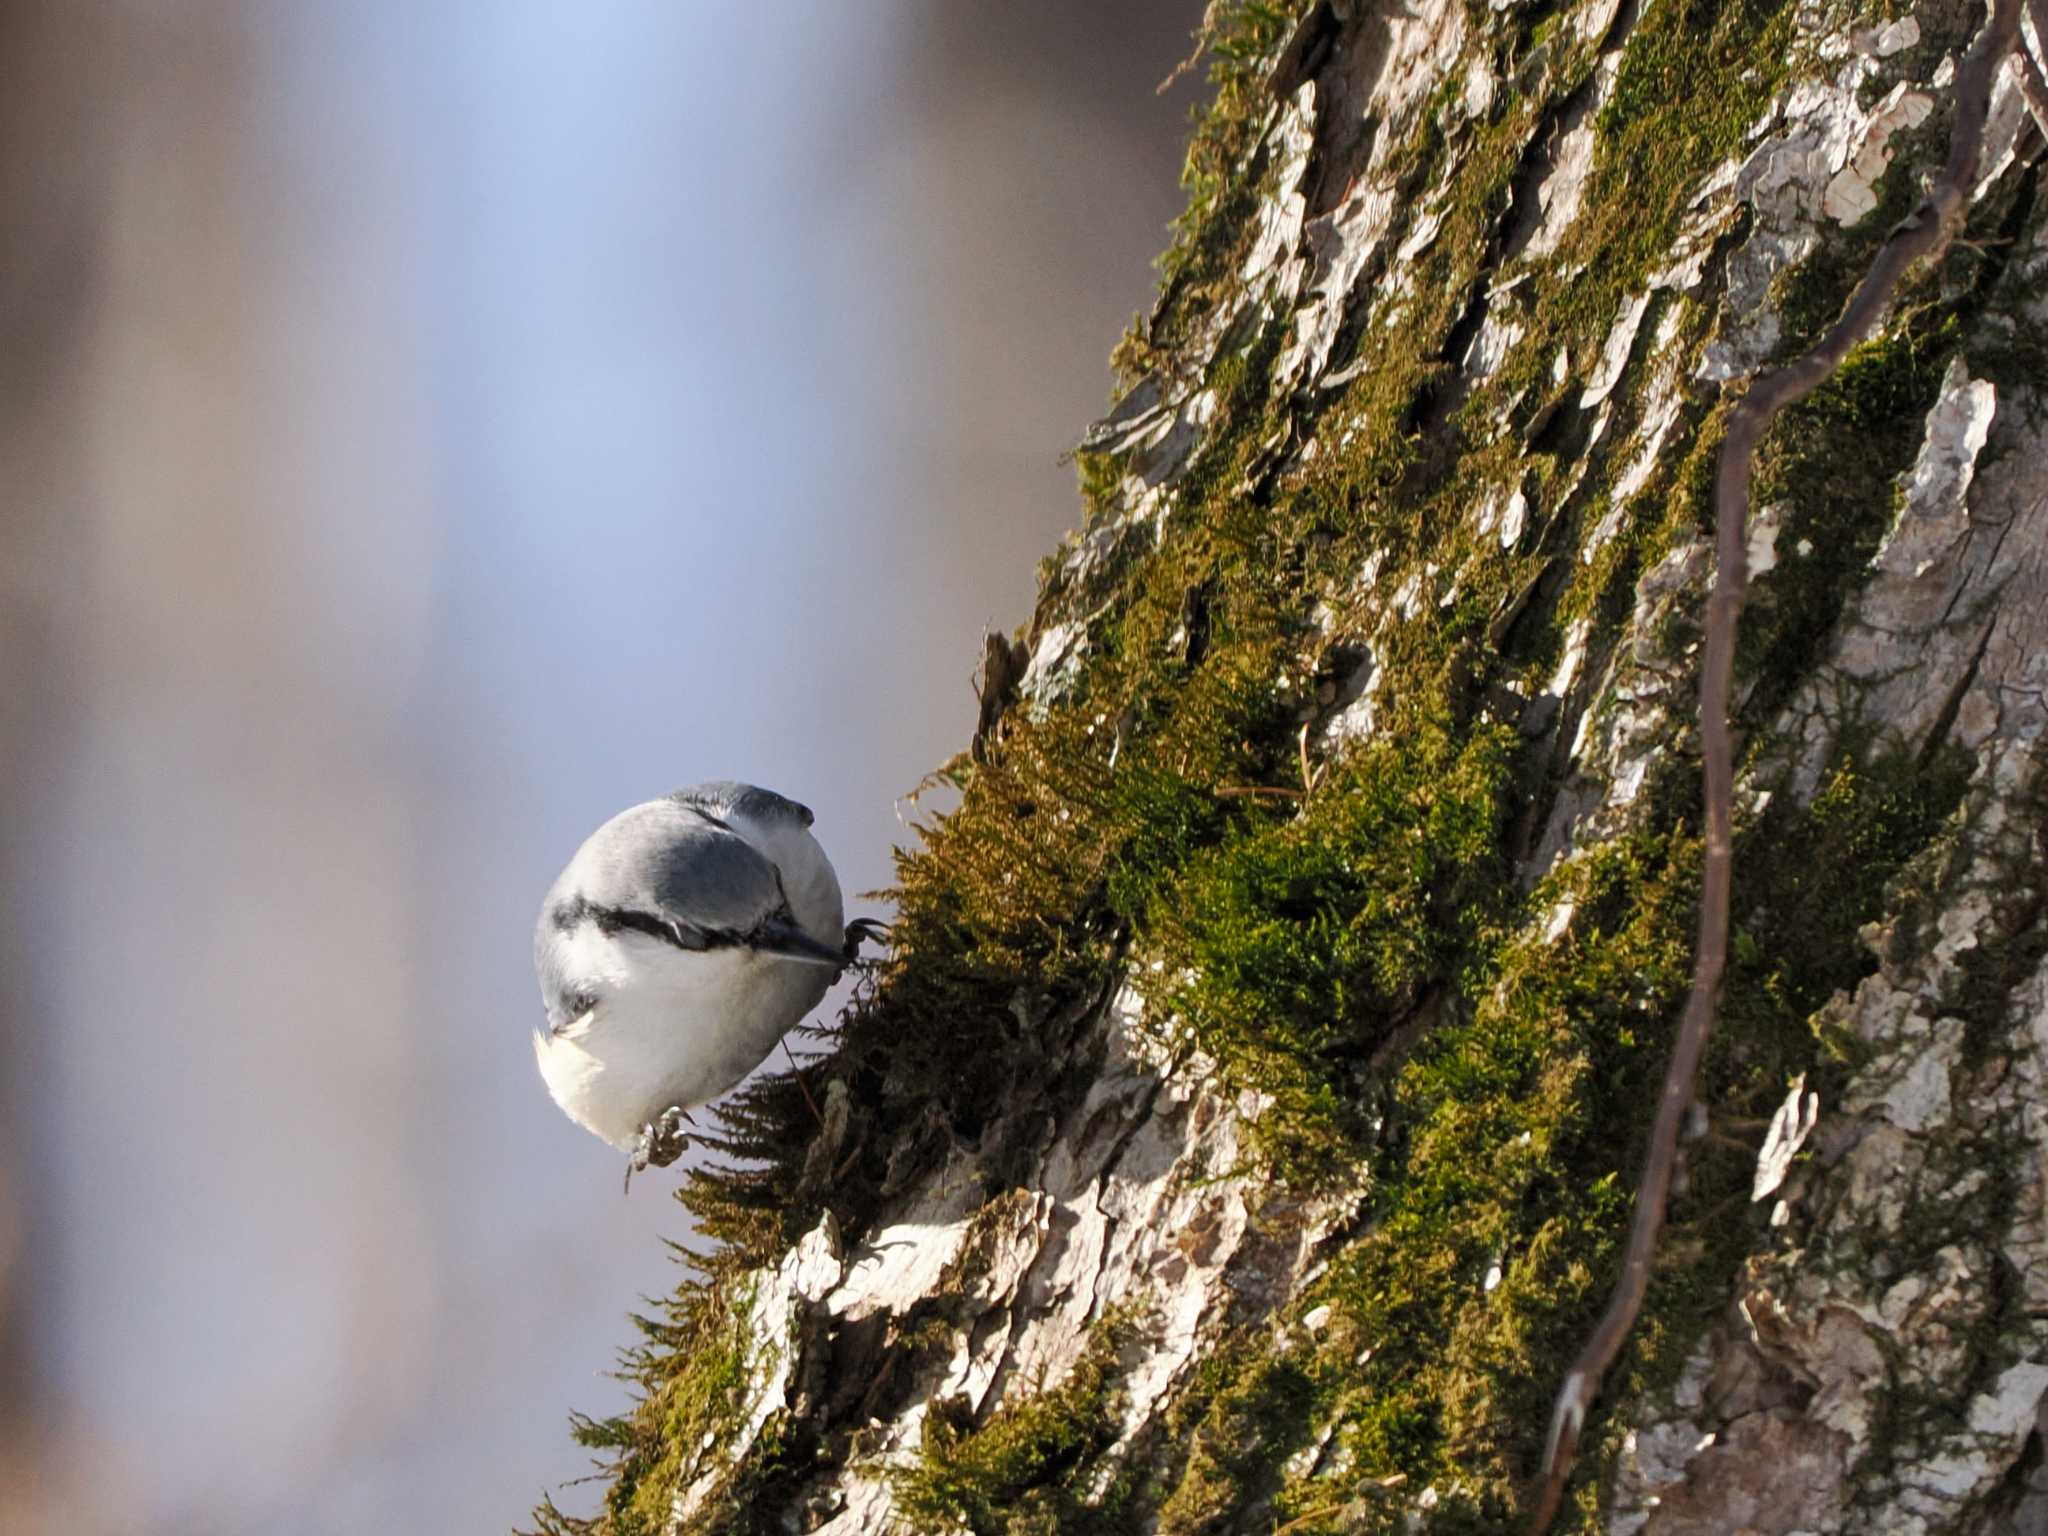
x=777, y=932
x=613, y=920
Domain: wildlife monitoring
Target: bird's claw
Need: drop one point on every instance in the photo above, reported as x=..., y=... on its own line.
x=864, y=930
x=662, y=1141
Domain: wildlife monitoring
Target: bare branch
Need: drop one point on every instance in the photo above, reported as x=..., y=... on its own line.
x=1201, y=46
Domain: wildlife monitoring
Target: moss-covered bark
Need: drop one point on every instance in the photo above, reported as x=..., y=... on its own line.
x=1331, y=885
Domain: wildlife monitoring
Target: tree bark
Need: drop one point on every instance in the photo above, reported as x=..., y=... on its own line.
x=1243, y=1136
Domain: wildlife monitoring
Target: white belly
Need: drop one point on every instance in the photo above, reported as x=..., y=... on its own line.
x=678, y=1028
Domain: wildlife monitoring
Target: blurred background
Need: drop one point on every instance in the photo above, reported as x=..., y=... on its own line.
x=425, y=430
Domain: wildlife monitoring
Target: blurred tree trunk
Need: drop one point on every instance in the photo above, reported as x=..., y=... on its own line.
x=51, y=69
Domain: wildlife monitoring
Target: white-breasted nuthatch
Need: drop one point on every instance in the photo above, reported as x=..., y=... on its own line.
x=686, y=937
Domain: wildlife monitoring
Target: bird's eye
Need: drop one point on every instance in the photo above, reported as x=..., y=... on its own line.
x=576, y=1004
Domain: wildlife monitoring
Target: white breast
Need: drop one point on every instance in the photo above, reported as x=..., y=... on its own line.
x=669, y=1027
x=677, y=1028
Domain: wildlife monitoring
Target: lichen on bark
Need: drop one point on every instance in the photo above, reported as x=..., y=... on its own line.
x=1239, y=1138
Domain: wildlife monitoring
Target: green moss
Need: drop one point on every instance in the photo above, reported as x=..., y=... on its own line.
x=1814, y=875
x=1513, y=1129
x=1289, y=952
x=1220, y=175
x=1517, y=1130
x=1032, y=1469
x=1832, y=467
x=699, y=1358
x=1249, y=1409
x=1695, y=76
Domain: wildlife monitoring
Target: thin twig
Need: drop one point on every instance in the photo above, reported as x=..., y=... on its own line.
x=1382, y=1485
x=1310, y=1518
x=1924, y=233
x=1308, y=775
x=803, y=1087
x=1201, y=42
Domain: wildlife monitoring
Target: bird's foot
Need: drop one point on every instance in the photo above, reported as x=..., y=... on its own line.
x=662, y=1141
x=864, y=930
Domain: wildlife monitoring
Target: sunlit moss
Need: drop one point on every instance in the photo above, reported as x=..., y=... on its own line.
x=694, y=1369
x=1032, y=1467
x=1290, y=952
x=1250, y=1407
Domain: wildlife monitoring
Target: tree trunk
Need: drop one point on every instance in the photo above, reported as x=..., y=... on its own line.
x=1245, y=1131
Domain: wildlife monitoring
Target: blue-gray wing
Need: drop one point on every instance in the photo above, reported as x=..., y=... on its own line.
x=674, y=870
